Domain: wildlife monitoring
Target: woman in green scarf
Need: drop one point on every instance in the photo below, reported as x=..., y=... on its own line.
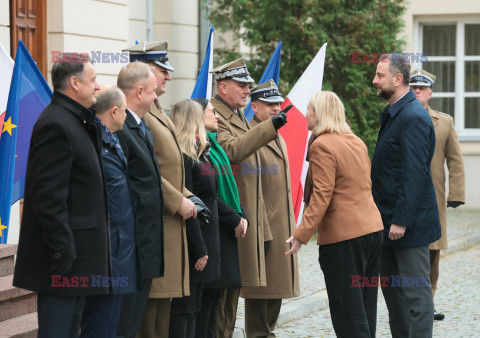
x=207, y=168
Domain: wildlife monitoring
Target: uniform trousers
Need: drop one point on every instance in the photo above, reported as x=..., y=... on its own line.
x=261, y=317
x=434, y=269
x=410, y=305
x=156, y=319
x=59, y=316
x=227, y=313
x=353, y=306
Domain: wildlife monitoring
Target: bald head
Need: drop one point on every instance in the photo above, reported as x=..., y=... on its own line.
x=110, y=107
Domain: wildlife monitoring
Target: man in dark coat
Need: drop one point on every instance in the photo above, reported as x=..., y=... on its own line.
x=64, y=233
x=403, y=191
x=101, y=313
x=138, y=84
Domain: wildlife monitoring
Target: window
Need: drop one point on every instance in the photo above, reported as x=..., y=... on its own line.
x=453, y=51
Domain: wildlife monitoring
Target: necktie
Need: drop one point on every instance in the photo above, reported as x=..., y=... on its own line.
x=142, y=126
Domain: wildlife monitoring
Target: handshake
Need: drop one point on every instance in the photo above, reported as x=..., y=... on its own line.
x=280, y=119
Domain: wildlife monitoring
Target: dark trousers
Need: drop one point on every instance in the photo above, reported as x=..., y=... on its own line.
x=410, y=306
x=353, y=307
x=100, y=316
x=227, y=312
x=207, y=317
x=183, y=313
x=434, y=269
x=261, y=317
x=133, y=307
x=59, y=316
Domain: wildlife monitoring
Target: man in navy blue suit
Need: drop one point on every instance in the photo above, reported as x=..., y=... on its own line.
x=403, y=191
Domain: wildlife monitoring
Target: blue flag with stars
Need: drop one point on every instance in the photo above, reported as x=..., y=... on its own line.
x=272, y=72
x=29, y=95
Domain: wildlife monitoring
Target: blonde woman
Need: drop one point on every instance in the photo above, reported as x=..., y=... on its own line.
x=341, y=206
x=192, y=124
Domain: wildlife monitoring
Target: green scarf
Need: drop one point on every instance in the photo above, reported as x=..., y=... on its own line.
x=227, y=188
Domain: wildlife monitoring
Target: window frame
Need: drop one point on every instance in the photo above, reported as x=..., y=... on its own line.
x=465, y=134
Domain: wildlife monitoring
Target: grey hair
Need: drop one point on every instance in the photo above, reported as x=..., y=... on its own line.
x=398, y=64
x=108, y=98
x=71, y=64
x=131, y=74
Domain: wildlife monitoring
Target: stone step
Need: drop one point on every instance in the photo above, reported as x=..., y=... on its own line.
x=15, y=302
x=25, y=326
x=7, y=259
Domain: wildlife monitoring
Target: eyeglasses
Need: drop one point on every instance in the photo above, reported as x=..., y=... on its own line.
x=213, y=111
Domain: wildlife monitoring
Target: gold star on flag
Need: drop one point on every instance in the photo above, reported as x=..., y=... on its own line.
x=1, y=227
x=8, y=126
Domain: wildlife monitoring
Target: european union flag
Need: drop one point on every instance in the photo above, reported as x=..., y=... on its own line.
x=29, y=95
x=272, y=72
x=203, y=86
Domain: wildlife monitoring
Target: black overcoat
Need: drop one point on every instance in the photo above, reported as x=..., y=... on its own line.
x=146, y=186
x=222, y=269
x=402, y=184
x=65, y=208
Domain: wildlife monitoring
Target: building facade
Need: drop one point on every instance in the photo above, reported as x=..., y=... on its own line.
x=448, y=32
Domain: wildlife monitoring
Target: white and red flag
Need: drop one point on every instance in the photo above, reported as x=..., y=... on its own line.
x=295, y=132
x=6, y=69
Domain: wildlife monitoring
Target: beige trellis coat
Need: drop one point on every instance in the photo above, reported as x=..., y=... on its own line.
x=175, y=282
x=241, y=143
x=282, y=271
x=447, y=147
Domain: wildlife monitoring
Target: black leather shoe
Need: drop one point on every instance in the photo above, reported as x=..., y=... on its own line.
x=438, y=316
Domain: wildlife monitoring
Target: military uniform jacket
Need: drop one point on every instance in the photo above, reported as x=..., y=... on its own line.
x=146, y=185
x=282, y=271
x=175, y=282
x=447, y=147
x=241, y=143
x=65, y=204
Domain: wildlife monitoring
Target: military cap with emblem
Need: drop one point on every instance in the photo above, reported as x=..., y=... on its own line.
x=422, y=78
x=266, y=92
x=235, y=70
x=150, y=51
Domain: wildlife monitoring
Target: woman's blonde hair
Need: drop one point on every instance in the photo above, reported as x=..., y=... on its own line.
x=330, y=114
x=187, y=116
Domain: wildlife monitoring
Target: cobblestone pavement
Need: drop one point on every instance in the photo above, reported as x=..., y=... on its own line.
x=457, y=297
x=450, y=299
x=311, y=276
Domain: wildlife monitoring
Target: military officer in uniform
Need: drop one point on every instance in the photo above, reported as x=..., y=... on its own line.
x=262, y=304
x=447, y=148
x=178, y=207
x=241, y=143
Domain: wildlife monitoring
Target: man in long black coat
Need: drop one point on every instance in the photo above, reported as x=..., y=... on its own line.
x=64, y=232
x=138, y=84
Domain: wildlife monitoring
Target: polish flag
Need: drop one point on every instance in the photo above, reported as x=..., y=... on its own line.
x=6, y=69
x=295, y=132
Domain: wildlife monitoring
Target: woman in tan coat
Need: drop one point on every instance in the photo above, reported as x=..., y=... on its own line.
x=341, y=206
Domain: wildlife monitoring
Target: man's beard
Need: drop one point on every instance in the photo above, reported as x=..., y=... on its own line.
x=385, y=94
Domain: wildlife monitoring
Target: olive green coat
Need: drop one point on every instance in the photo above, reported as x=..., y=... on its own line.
x=282, y=271
x=175, y=282
x=241, y=143
x=447, y=148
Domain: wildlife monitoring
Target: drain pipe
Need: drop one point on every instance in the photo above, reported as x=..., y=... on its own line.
x=149, y=20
